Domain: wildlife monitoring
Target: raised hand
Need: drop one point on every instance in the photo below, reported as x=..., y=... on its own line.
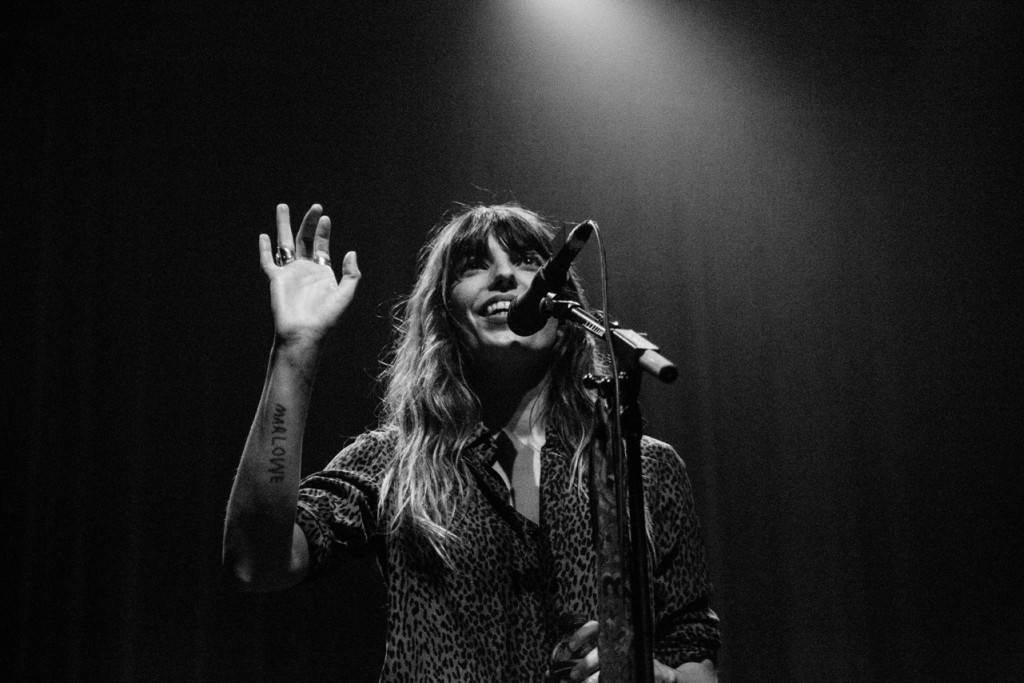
x=306, y=300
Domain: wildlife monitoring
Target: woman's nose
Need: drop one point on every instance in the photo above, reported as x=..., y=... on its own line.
x=503, y=274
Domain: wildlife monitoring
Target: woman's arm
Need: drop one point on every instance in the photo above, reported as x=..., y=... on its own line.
x=263, y=548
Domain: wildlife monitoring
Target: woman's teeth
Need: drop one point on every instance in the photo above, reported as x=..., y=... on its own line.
x=497, y=307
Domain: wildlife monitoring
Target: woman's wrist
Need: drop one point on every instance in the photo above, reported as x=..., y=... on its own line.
x=299, y=353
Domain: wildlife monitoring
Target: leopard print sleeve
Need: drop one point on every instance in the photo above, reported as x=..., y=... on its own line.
x=337, y=507
x=686, y=628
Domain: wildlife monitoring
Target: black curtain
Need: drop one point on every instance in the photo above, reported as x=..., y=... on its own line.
x=810, y=207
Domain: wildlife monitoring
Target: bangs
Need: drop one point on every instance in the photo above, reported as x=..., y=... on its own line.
x=517, y=234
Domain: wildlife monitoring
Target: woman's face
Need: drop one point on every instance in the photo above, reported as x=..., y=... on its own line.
x=480, y=299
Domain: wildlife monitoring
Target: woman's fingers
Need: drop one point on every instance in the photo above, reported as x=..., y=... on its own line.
x=308, y=230
x=322, y=238
x=284, y=228
x=587, y=667
x=349, y=267
x=266, y=256
x=582, y=646
x=584, y=639
x=313, y=240
x=349, y=280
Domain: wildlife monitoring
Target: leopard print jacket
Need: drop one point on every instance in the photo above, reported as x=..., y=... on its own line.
x=497, y=614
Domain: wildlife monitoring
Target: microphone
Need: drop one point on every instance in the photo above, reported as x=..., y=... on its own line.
x=527, y=313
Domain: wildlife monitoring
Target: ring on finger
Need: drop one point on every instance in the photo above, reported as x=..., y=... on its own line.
x=322, y=260
x=284, y=256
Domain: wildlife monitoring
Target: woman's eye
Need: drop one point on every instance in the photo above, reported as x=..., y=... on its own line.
x=473, y=263
x=531, y=260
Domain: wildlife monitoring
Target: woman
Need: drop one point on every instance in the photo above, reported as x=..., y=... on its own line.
x=471, y=490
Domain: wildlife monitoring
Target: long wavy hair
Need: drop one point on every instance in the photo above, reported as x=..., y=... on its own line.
x=428, y=399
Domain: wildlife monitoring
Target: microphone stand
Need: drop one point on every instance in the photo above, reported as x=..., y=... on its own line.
x=626, y=622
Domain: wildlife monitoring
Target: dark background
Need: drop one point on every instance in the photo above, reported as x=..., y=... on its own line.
x=810, y=206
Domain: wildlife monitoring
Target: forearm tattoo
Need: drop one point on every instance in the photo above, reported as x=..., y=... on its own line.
x=278, y=445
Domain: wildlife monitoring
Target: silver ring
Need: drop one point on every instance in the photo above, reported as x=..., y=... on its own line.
x=322, y=260
x=284, y=256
